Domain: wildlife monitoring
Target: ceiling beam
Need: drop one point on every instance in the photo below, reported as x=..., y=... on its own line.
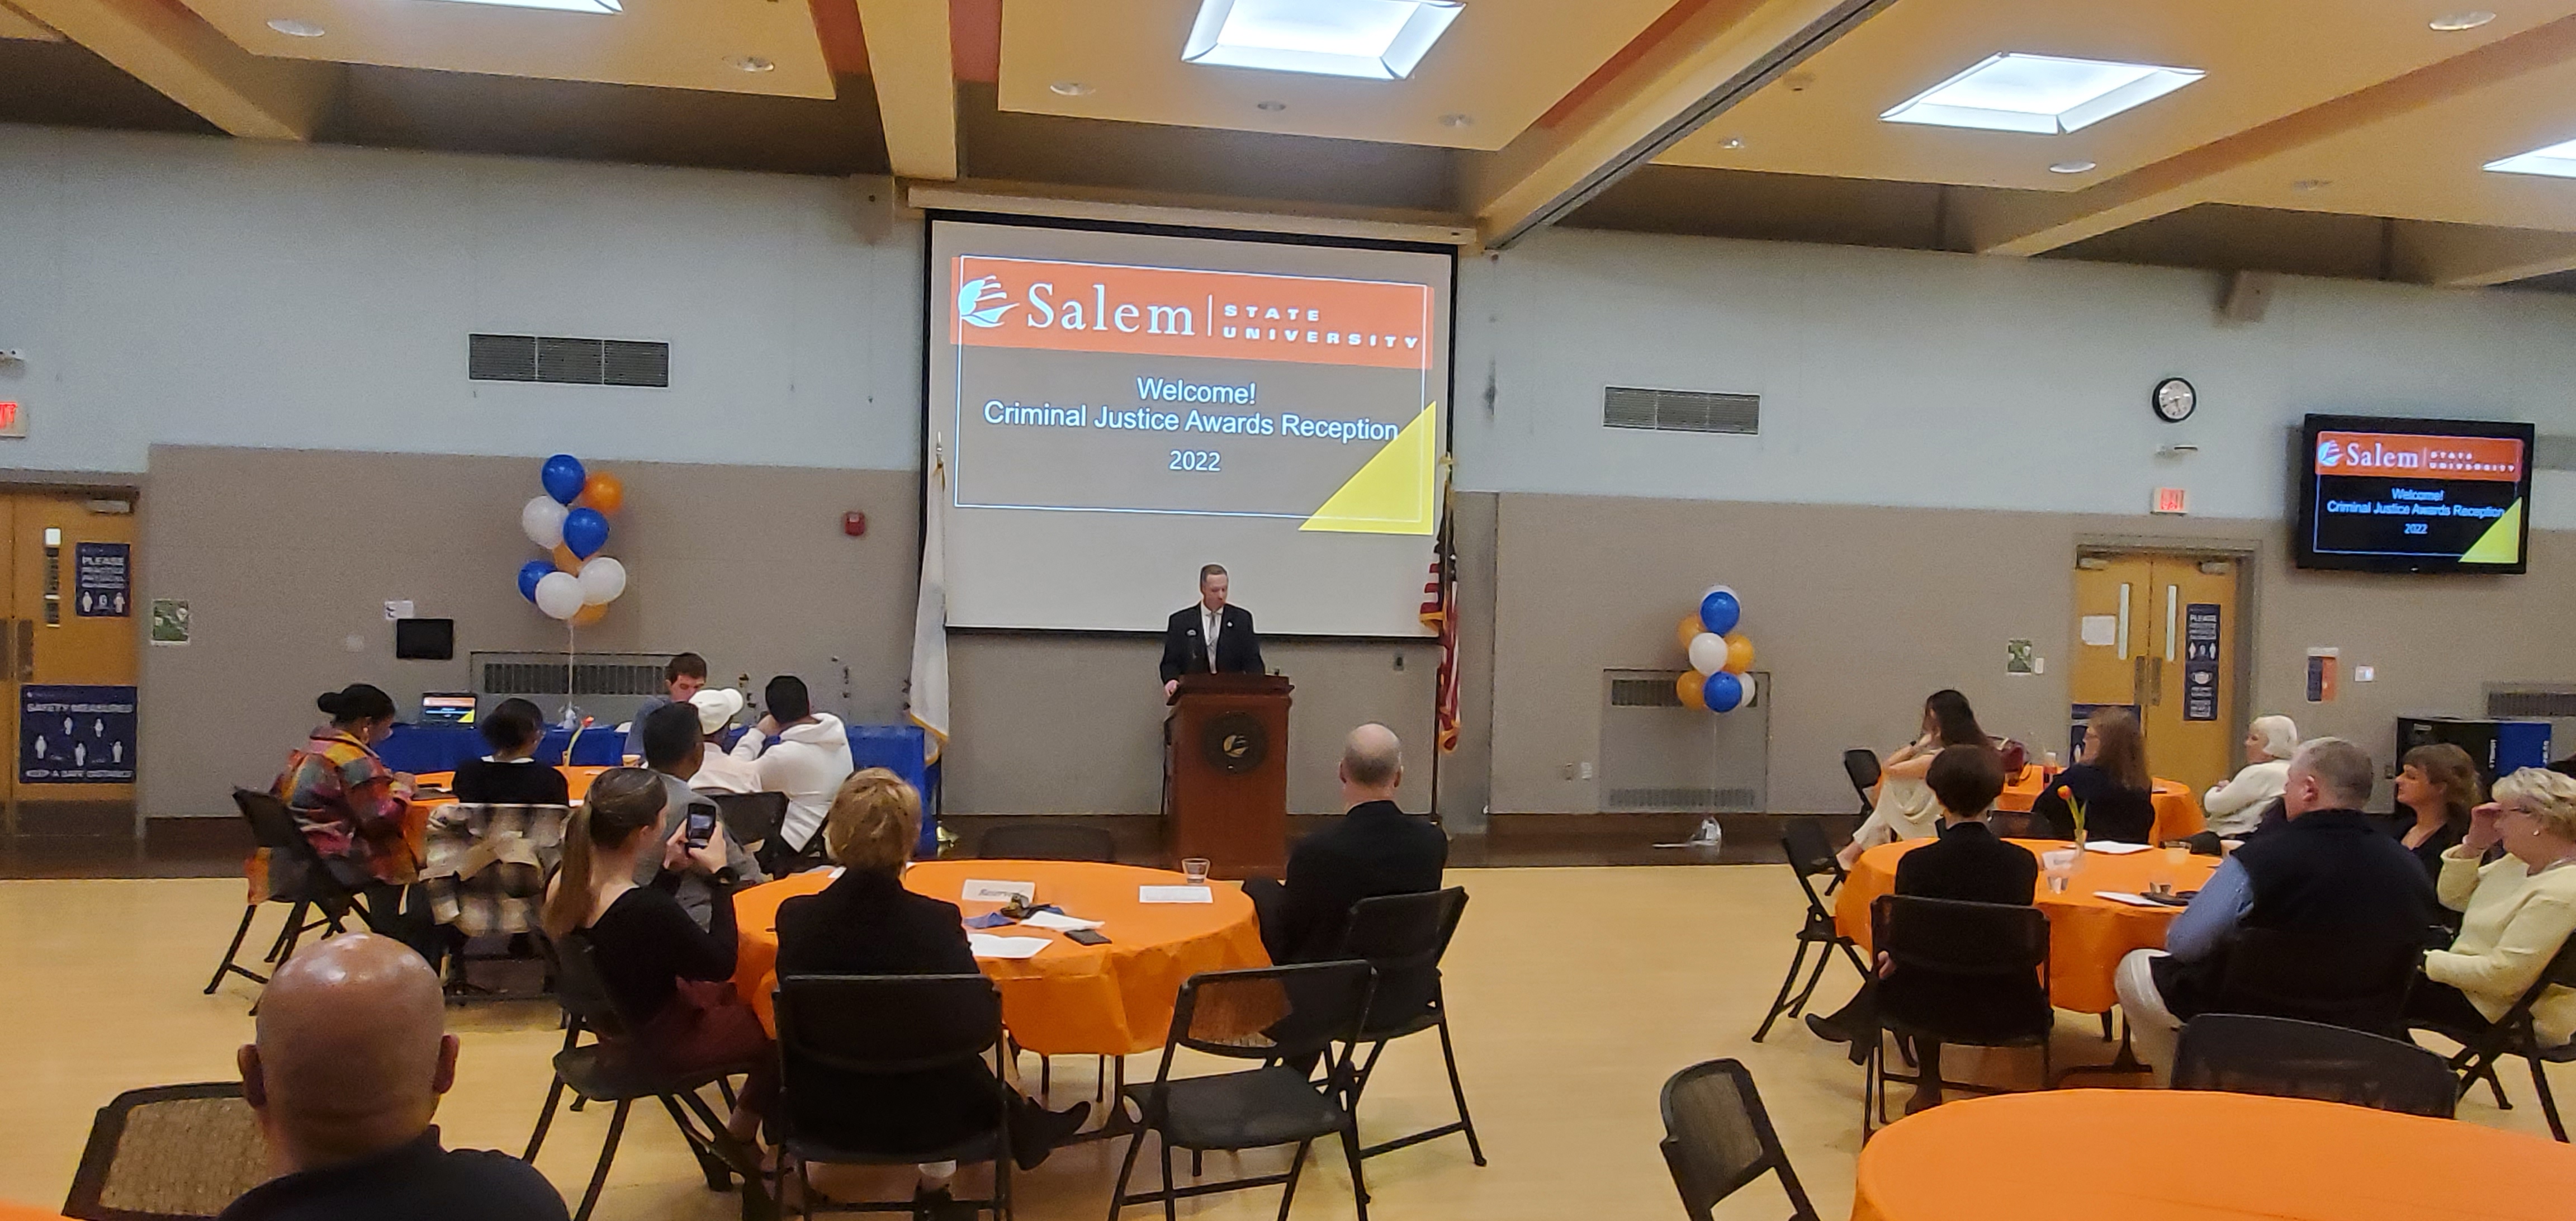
x=2035, y=222
x=2473, y=256
x=14, y=24
x=1695, y=69
x=910, y=58
x=171, y=49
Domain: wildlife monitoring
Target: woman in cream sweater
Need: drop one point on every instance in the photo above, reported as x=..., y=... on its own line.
x=2234, y=808
x=2517, y=911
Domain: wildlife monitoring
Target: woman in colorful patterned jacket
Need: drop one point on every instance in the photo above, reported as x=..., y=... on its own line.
x=355, y=810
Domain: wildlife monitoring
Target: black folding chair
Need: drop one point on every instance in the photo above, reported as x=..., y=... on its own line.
x=1811, y=856
x=297, y=876
x=1717, y=1139
x=2515, y=1035
x=1862, y=767
x=608, y=1070
x=832, y=1028
x=1996, y=949
x=1037, y=841
x=1404, y=937
x=168, y=1153
x=2243, y=1053
x=752, y=819
x=1280, y=1016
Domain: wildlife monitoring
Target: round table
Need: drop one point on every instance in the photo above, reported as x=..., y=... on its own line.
x=2192, y=1156
x=576, y=780
x=2178, y=813
x=1104, y=1000
x=2087, y=934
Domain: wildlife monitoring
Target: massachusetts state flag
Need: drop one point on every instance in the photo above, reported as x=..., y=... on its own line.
x=1440, y=612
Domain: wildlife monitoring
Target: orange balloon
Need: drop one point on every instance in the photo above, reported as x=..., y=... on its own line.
x=1688, y=687
x=603, y=492
x=1739, y=654
x=589, y=615
x=1690, y=630
x=566, y=561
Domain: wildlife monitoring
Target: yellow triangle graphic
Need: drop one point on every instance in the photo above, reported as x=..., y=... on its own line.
x=2501, y=544
x=1393, y=493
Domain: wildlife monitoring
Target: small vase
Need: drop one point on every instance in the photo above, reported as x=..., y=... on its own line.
x=2079, y=838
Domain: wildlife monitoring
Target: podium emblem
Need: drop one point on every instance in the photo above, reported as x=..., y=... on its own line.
x=1234, y=743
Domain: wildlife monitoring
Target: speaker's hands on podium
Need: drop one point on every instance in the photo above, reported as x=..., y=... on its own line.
x=1170, y=688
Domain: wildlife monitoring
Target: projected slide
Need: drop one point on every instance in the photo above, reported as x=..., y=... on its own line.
x=1117, y=409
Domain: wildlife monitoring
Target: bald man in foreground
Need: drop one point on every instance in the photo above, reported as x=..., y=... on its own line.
x=352, y=1056
x=1376, y=849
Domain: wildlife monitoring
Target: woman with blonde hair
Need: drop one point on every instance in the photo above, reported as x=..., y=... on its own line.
x=2516, y=912
x=2236, y=807
x=2437, y=786
x=866, y=923
x=672, y=978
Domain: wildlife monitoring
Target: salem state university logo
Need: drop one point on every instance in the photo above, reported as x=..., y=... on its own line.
x=981, y=302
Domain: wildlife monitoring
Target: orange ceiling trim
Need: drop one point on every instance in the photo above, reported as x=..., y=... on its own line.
x=975, y=40
x=836, y=25
x=1645, y=41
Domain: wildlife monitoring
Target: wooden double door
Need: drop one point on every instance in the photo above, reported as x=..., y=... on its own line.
x=69, y=625
x=2159, y=633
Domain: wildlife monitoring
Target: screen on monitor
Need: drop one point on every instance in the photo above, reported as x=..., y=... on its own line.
x=2410, y=495
x=1115, y=409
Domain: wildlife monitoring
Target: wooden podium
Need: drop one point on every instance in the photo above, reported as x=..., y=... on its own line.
x=1225, y=774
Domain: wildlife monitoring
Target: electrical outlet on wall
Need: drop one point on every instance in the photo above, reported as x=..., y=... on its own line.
x=1583, y=770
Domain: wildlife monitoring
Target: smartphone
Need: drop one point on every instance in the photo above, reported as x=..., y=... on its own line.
x=702, y=826
x=1084, y=936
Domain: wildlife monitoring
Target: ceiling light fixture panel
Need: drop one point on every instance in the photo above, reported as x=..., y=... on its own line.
x=1371, y=39
x=2039, y=94
x=2555, y=161
x=558, y=6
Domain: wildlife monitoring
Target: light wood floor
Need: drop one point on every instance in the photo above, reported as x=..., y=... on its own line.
x=1576, y=991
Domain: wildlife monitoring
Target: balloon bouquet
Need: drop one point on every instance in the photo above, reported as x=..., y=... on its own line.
x=571, y=522
x=1721, y=658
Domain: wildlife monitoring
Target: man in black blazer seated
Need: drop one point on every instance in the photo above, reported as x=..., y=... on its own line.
x=1185, y=639
x=1377, y=849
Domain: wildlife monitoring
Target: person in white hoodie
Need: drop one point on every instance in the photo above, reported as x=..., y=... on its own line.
x=2234, y=808
x=808, y=761
x=721, y=772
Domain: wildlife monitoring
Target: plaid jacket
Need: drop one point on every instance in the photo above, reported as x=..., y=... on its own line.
x=349, y=805
x=488, y=864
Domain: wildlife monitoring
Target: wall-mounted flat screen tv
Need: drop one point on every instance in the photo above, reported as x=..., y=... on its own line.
x=2379, y=494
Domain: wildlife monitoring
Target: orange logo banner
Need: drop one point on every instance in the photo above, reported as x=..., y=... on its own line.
x=2404, y=455
x=1167, y=311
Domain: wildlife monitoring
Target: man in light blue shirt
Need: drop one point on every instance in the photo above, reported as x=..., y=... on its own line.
x=684, y=677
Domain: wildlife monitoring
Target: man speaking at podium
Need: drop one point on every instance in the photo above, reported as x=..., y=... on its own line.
x=1209, y=637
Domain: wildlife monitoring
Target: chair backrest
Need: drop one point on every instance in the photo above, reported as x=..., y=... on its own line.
x=1037, y=841
x=273, y=825
x=2250, y=1054
x=1957, y=937
x=750, y=818
x=167, y=1153
x=2356, y=982
x=1404, y=937
x=1862, y=767
x=1271, y=1013
x=583, y=991
x=1717, y=1137
x=887, y=1024
x=2559, y=973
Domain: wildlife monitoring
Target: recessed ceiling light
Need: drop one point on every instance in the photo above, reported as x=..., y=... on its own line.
x=1376, y=39
x=2556, y=161
x=559, y=6
x=1071, y=89
x=1457, y=120
x=2312, y=184
x=751, y=63
x=1272, y=107
x=2452, y=23
x=2071, y=167
x=296, y=29
x=1731, y=142
x=2042, y=94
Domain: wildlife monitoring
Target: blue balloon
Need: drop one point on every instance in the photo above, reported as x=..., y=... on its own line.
x=1718, y=612
x=585, y=532
x=563, y=477
x=1723, y=691
x=529, y=574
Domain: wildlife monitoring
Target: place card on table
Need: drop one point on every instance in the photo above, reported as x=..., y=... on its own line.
x=1175, y=894
x=2113, y=847
x=1059, y=921
x=988, y=945
x=2133, y=900
x=980, y=890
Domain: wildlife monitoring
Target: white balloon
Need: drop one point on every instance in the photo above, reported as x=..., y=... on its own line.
x=602, y=579
x=543, y=521
x=559, y=595
x=1707, y=650
x=1728, y=590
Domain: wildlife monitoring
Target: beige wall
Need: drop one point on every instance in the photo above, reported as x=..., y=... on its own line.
x=1859, y=612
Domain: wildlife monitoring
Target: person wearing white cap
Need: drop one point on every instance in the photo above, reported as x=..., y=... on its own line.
x=720, y=772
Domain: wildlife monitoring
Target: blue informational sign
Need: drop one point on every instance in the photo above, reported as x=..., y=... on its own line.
x=75, y=735
x=2200, y=661
x=2081, y=713
x=103, y=580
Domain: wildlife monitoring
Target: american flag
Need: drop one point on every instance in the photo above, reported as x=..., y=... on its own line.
x=1439, y=613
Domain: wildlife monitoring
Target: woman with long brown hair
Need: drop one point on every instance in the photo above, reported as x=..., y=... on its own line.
x=670, y=977
x=2109, y=780
x=1903, y=806
x=2437, y=786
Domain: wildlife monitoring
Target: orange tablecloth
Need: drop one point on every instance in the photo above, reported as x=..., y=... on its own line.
x=2178, y=813
x=576, y=779
x=1108, y=1000
x=2180, y=1155
x=2087, y=936
x=25, y=1212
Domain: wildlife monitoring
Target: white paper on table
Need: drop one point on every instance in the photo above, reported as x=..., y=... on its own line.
x=2133, y=900
x=979, y=890
x=2113, y=847
x=987, y=945
x=1175, y=894
x=1059, y=921
x=2100, y=630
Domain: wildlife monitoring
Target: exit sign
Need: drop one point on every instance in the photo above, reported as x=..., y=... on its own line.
x=13, y=419
x=2172, y=500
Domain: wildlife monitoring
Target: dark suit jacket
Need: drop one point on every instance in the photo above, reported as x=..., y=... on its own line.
x=1238, y=647
x=1966, y=861
x=1376, y=849
x=868, y=924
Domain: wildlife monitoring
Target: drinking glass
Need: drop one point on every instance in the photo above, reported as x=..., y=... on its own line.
x=2059, y=864
x=1195, y=870
x=2177, y=852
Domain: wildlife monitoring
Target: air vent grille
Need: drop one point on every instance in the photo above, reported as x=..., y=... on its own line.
x=2554, y=453
x=1685, y=800
x=2531, y=705
x=567, y=361
x=1644, y=693
x=1680, y=410
x=542, y=678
